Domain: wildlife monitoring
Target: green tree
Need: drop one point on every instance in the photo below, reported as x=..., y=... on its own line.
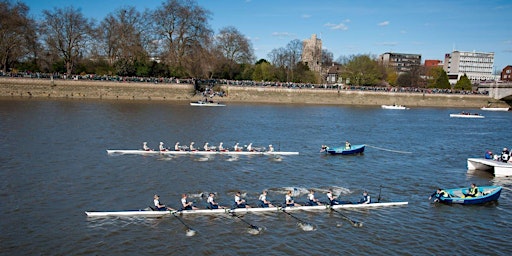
x=438, y=78
x=463, y=83
x=262, y=71
x=362, y=70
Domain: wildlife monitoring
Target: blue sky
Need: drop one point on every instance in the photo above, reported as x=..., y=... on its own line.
x=430, y=28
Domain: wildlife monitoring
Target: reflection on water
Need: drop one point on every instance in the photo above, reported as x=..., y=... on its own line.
x=54, y=167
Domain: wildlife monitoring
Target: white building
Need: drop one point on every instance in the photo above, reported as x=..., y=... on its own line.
x=478, y=66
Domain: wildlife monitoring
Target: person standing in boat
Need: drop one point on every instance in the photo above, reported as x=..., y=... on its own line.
x=347, y=145
x=365, y=199
x=472, y=191
x=145, y=146
x=185, y=204
x=263, y=200
x=239, y=202
x=312, y=200
x=211, y=202
x=438, y=194
x=158, y=206
x=289, y=200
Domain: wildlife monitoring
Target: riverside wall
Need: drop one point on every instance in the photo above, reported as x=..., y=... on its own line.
x=84, y=89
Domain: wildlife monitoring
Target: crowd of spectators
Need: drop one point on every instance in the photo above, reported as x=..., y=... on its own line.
x=239, y=83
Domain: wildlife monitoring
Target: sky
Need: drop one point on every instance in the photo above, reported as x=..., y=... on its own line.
x=346, y=27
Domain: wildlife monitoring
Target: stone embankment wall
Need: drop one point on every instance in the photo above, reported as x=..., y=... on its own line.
x=45, y=88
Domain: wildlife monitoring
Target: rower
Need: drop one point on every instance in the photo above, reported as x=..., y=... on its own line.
x=211, y=202
x=221, y=148
x=236, y=147
x=270, y=148
x=365, y=199
x=206, y=147
x=158, y=206
x=289, y=199
x=264, y=203
x=161, y=147
x=332, y=199
x=312, y=200
x=249, y=148
x=177, y=146
x=239, y=202
x=192, y=146
x=185, y=205
x=145, y=146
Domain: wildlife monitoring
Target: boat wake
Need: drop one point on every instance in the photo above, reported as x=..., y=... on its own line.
x=306, y=226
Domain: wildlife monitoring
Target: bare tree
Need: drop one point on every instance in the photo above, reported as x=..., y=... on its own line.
x=17, y=33
x=183, y=28
x=234, y=46
x=66, y=32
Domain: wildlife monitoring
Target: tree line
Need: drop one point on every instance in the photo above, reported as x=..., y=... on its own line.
x=173, y=40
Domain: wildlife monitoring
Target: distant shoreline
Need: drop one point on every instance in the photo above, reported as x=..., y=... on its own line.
x=85, y=89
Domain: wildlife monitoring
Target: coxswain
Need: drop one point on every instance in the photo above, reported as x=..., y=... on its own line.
x=158, y=206
x=239, y=202
x=472, y=191
x=249, y=147
x=145, y=146
x=161, y=147
x=206, y=148
x=177, y=146
x=263, y=200
x=289, y=200
x=270, y=148
x=438, y=194
x=186, y=205
x=211, y=202
x=221, y=148
x=347, y=145
x=365, y=199
x=312, y=200
x=191, y=148
x=236, y=147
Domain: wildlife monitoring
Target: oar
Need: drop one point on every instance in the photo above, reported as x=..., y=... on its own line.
x=299, y=220
x=244, y=221
x=380, y=189
x=189, y=230
x=354, y=223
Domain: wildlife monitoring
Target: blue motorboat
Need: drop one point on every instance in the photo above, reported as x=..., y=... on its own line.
x=353, y=149
x=485, y=194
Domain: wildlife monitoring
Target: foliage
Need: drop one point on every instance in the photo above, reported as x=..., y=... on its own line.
x=362, y=70
x=438, y=78
x=463, y=84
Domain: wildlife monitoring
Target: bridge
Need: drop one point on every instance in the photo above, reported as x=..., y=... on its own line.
x=498, y=91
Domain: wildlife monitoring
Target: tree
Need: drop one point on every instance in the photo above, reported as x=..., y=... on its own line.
x=438, y=78
x=17, y=33
x=67, y=33
x=262, y=71
x=182, y=26
x=362, y=70
x=463, y=84
x=234, y=49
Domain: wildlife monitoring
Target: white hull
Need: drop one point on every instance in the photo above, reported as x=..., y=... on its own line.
x=144, y=213
x=495, y=109
x=497, y=168
x=466, y=116
x=206, y=104
x=394, y=107
x=197, y=152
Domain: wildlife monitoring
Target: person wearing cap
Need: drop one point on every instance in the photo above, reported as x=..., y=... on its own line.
x=159, y=206
x=365, y=199
x=145, y=146
x=161, y=147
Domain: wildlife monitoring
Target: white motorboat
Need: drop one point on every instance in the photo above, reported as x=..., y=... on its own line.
x=467, y=115
x=201, y=103
x=495, y=109
x=399, y=107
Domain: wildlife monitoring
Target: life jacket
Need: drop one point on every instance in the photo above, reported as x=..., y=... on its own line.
x=443, y=194
x=473, y=191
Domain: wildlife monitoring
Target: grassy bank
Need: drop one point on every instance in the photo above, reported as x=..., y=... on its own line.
x=45, y=88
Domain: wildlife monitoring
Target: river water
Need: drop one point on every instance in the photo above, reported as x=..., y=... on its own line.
x=54, y=167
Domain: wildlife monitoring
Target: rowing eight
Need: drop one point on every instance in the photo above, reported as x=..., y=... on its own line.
x=151, y=213
x=196, y=152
